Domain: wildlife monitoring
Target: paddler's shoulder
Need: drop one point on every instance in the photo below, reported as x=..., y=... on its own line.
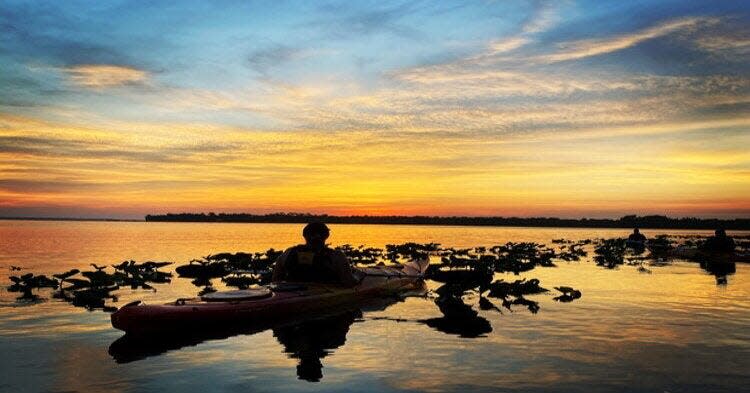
x=291, y=250
x=298, y=247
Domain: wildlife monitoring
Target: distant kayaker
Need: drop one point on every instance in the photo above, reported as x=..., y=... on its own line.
x=314, y=261
x=636, y=236
x=720, y=243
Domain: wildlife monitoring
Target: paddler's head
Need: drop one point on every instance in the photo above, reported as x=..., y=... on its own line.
x=636, y=231
x=315, y=234
x=720, y=233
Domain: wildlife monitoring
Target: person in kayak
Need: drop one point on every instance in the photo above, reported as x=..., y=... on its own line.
x=314, y=261
x=720, y=243
x=637, y=236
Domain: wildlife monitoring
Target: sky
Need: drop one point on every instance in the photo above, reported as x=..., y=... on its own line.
x=512, y=108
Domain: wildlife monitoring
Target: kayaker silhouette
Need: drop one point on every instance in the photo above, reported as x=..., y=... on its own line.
x=636, y=241
x=719, y=243
x=636, y=236
x=314, y=261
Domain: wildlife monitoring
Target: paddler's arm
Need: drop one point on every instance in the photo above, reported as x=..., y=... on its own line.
x=344, y=269
x=279, y=271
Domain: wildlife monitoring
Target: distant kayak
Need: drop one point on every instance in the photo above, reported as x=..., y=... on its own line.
x=264, y=303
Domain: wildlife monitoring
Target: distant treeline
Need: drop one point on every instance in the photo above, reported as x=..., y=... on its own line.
x=656, y=222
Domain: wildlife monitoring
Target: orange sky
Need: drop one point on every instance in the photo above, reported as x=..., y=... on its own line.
x=528, y=115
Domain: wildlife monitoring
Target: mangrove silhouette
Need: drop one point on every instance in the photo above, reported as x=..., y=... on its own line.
x=630, y=221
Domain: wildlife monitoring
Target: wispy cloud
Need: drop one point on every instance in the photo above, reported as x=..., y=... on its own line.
x=595, y=47
x=544, y=17
x=507, y=44
x=98, y=76
x=725, y=45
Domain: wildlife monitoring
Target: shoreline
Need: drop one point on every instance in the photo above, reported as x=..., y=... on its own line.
x=334, y=222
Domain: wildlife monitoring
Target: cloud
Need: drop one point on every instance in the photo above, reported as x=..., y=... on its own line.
x=165, y=166
x=543, y=18
x=507, y=44
x=98, y=76
x=506, y=125
x=726, y=45
x=593, y=47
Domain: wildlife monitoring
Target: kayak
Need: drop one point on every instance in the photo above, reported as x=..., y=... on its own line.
x=275, y=301
x=636, y=244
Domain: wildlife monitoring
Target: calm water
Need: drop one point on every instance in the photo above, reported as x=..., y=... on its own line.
x=672, y=330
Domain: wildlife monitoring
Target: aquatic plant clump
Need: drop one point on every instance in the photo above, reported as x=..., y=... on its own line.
x=610, y=252
x=96, y=286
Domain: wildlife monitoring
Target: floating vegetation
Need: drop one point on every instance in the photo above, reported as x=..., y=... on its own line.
x=660, y=246
x=28, y=282
x=466, y=273
x=572, y=252
x=222, y=264
x=242, y=281
x=96, y=286
x=202, y=268
x=362, y=255
x=568, y=294
x=610, y=252
x=410, y=251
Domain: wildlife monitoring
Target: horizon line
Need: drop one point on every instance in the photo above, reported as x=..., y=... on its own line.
x=578, y=218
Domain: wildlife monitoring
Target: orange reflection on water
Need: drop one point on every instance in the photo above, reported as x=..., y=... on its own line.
x=659, y=325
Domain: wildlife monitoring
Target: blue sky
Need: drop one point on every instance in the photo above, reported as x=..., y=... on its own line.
x=476, y=93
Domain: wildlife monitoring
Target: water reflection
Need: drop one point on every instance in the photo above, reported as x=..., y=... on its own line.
x=308, y=338
x=301, y=336
x=467, y=327
x=719, y=269
x=689, y=334
x=312, y=340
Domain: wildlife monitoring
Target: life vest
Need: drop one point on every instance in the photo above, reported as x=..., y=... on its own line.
x=637, y=237
x=719, y=244
x=305, y=265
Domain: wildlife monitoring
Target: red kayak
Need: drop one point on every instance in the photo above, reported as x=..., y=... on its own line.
x=276, y=301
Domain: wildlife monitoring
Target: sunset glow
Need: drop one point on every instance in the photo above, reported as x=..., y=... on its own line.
x=570, y=109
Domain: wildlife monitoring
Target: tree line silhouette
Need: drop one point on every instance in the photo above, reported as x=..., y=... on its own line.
x=629, y=221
